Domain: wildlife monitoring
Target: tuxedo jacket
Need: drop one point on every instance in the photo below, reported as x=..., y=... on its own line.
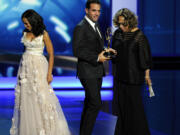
x=87, y=44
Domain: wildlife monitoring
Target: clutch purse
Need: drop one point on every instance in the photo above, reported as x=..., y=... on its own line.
x=151, y=92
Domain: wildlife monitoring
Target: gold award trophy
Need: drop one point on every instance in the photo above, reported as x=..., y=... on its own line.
x=108, y=35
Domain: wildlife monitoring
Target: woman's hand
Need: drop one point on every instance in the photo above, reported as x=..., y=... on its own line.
x=147, y=77
x=111, y=50
x=49, y=78
x=148, y=80
x=50, y=50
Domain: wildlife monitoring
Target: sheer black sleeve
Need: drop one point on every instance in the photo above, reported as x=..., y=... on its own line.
x=145, y=57
x=116, y=42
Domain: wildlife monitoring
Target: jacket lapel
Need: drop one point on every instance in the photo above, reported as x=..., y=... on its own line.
x=90, y=27
x=101, y=40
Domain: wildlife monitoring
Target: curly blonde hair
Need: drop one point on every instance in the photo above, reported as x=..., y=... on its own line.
x=129, y=16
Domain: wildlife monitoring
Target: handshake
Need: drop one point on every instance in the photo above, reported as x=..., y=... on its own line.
x=107, y=54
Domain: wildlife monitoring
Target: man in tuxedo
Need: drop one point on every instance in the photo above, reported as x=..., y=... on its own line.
x=88, y=47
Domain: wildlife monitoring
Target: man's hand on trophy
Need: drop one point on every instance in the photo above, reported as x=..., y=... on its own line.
x=102, y=58
x=111, y=50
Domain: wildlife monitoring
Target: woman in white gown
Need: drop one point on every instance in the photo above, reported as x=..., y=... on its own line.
x=37, y=110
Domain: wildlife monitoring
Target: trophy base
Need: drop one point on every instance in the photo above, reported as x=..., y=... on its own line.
x=109, y=55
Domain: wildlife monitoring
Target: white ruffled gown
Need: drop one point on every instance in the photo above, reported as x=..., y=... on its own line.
x=37, y=110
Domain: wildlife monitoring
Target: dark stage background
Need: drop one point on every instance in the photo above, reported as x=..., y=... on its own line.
x=159, y=19
x=60, y=18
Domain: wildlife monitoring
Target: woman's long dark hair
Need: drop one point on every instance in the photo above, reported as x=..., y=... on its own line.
x=35, y=20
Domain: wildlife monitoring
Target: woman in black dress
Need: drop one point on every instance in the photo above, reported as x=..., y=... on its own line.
x=132, y=64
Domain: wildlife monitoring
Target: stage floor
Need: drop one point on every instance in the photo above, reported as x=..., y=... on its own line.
x=161, y=110
x=72, y=108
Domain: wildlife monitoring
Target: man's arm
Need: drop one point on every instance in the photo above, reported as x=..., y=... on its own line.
x=80, y=48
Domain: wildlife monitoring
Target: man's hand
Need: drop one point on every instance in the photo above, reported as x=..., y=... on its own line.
x=102, y=58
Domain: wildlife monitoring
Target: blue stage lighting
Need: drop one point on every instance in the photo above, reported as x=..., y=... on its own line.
x=65, y=82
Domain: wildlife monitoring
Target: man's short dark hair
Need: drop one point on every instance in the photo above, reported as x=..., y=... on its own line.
x=89, y=2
